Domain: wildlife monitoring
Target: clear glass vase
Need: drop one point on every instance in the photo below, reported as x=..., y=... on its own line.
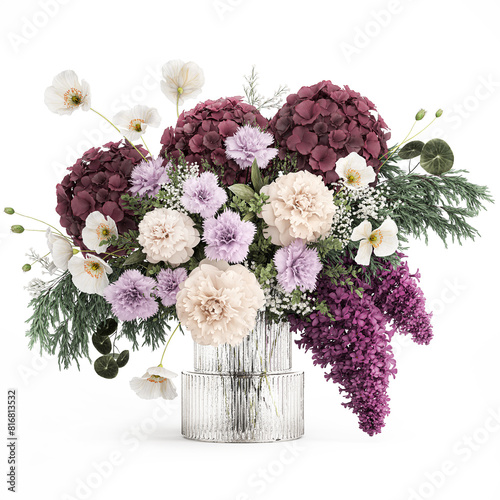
x=247, y=393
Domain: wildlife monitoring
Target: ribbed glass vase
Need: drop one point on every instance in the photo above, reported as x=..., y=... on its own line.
x=247, y=393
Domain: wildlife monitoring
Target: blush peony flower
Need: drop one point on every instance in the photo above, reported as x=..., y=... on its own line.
x=148, y=177
x=98, y=228
x=203, y=195
x=228, y=237
x=67, y=94
x=218, y=303
x=382, y=241
x=297, y=266
x=167, y=235
x=89, y=274
x=181, y=81
x=155, y=383
x=249, y=144
x=168, y=286
x=60, y=249
x=299, y=206
x=131, y=296
x=354, y=171
x=135, y=121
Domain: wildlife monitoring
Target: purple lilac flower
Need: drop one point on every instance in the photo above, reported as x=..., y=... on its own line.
x=131, y=296
x=227, y=237
x=148, y=177
x=202, y=195
x=168, y=284
x=249, y=144
x=297, y=266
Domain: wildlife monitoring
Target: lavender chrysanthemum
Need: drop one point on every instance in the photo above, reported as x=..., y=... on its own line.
x=228, y=237
x=131, y=296
x=202, y=195
x=148, y=177
x=297, y=266
x=168, y=284
x=249, y=144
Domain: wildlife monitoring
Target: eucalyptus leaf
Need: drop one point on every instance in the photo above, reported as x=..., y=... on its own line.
x=106, y=366
x=107, y=328
x=242, y=191
x=411, y=150
x=135, y=258
x=436, y=157
x=122, y=359
x=102, y=344
x=257, y=180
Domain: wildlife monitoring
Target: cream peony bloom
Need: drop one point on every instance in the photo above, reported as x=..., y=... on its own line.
x=168, y=235
x=66, y=94
x=383, y=241
x=60, y=248
x=155, y=383
x=181, y=81
x=98, y=228
x=89, y=273
x=299, y=206
x=135, y=121
x=354, y=170
x=218, y=303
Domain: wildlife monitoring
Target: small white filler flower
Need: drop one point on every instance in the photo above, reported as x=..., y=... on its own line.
x=98, y=228
x=135, y=121
x=382, y=241
x=354, y=170
x=67, y=94
x=181, y=81
x=155, y=383
x=60, y=249
x=90, y=274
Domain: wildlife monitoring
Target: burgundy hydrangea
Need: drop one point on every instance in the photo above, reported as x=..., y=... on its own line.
x=355, y=345
x=326, y=122
x=96, y=182
x=200, y=134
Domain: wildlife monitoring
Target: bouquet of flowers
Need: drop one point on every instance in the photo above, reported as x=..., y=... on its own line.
x=305, y=216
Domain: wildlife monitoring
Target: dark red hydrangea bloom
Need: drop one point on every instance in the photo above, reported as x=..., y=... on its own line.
x=96, y=182
x=355, y=347
x=326, y=122
x=200, y=134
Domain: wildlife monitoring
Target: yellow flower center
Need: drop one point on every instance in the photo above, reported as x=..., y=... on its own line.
x=156, y=379
x=73, y=98
x=103, y=231
x=353, y=177
x=136, y=124
x=93, y=269
x=376, y=238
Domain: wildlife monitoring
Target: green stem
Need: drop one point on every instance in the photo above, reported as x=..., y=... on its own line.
x=119, y=131
x=177, y=105
x=164, y=350
x=145, y=145
x=41, y=221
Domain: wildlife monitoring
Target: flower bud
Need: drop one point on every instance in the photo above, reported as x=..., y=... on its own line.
x=439, y=112
x=419, y=116
x=26, y=268
x=75, y=251
x=17, y=229
x=9, y=211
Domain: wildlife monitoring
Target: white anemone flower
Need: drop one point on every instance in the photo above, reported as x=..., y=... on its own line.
x=181, y=81
x=98, y=228
x=89, y=274
x=354, y=170
x=67, y=94
x=155, y=383
x=135, y=121
x=382, y=241
x=60, y=248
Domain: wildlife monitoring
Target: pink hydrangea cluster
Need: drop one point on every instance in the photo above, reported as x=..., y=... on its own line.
x=201, y=132
x=96, y=182
x=325, y=122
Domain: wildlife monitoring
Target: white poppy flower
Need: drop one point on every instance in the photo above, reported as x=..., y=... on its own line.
x=382, y=241
x=181, y=80
x=89, y=274
x=135, y=121
x=155, y=383
x=354, y=170
x=98, y=228
x=60, y=249
x=66, y=94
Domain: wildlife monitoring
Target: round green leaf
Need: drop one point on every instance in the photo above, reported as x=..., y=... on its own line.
x=436, y=157
x=102, y=344
x=411, y=150
x=106, y=366
x=107, y=327
x=122, y=359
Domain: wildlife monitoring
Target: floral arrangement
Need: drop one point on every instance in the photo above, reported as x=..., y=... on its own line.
x=305, y=216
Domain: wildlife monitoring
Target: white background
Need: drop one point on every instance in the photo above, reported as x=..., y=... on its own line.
x=403, y=55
